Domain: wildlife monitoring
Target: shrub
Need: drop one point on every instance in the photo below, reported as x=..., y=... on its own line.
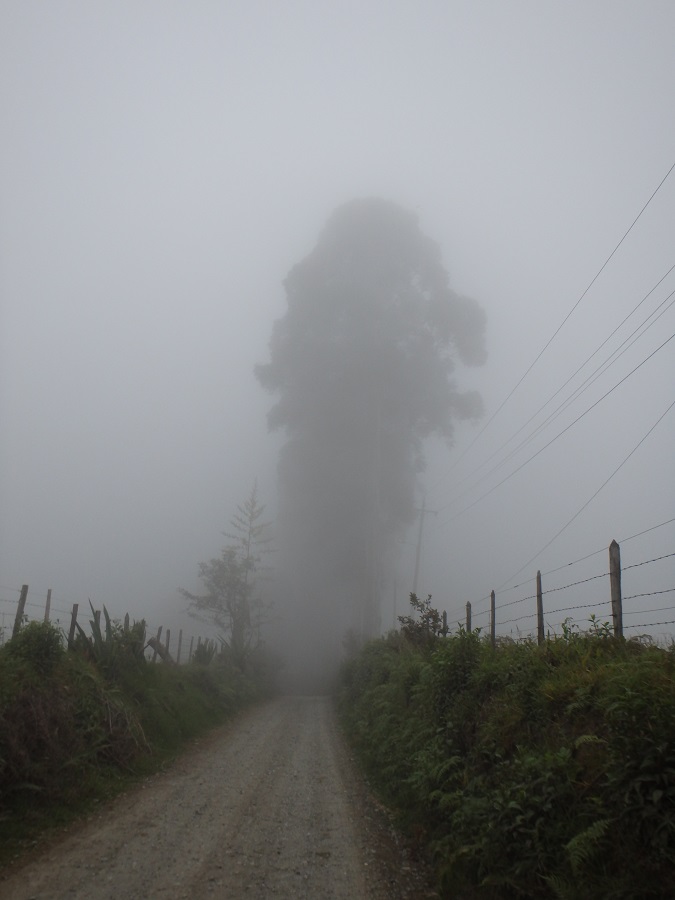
x=530, y=771
x=39, y=645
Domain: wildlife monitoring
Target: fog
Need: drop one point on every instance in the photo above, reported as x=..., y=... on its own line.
x=165, y=166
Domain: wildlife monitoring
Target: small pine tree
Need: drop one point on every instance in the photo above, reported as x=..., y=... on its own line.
x=233, y=599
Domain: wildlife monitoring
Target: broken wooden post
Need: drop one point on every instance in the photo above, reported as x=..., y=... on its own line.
x=154, y=645
x=18, y=621
x=540, y=611
x=73, y=622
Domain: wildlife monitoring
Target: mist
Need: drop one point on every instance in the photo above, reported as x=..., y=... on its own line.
x=165, y=169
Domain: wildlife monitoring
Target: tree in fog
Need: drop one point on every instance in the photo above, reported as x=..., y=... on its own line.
x=362, y=364
x=232, y=599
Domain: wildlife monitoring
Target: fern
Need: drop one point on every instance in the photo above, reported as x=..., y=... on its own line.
x=585, y=844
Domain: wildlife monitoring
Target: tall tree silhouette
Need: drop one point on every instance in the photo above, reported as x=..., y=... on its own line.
x=362, y=363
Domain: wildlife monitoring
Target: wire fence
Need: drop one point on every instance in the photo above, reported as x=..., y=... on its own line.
x=595, y=602
x=17, y=607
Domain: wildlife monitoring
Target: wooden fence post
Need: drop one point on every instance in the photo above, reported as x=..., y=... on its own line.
x=168, y=639
x=19, y=612
x=468, y=617
x=615, y=587
x=126, y=623
x=158, y=638
x=180, y=644
x=192, y=640
x=48, y=604
x=493, y=627
x=540, y=610
x=97, y=617
x=73, y=620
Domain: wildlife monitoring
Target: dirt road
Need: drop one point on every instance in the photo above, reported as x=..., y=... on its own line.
x=268, y=806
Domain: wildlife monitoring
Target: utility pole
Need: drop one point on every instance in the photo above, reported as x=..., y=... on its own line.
x=418, y=552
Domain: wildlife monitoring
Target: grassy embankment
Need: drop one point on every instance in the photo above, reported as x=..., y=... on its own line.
x=528, y=771
x=77, y=727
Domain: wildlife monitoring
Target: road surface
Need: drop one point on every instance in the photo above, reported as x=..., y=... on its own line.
x=268, y=806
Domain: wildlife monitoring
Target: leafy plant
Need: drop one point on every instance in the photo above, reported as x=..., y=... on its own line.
x=114, y=649
x=39, y=644
x=529, y=771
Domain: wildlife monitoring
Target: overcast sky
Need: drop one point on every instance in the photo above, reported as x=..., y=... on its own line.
x=162, y=167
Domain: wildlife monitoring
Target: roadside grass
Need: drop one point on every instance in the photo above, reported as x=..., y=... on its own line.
x=527, y=771
x=78, y=727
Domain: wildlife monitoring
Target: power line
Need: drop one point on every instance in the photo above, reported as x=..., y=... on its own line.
x=569, y=314
x=561, y=408
x=590, y=379
x=553, y=439
x=585, y=384
x=646, y=531
x=589, y=501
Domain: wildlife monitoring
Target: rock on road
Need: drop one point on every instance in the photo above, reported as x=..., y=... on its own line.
x=269, y=805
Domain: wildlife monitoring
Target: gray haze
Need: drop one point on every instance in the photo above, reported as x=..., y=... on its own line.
x=163, y=167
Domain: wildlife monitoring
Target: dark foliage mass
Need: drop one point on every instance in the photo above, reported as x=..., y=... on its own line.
x=529, y=771
x=77, y=724
x=362, y=363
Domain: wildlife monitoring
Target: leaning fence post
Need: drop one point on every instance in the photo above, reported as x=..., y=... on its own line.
x=493, y=629
x=48, y=605
x=615, y=587
x=468, y=616
x=159, y=636
x=19, y=612
x=73, y=621
x=540, y=610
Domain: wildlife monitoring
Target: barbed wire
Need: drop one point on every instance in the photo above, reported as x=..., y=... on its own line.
x=564, y=587
x=648, y=594
x=519, y=619
x=646, y=561
x=641, y=612
x=578, y=606
x=650, y=624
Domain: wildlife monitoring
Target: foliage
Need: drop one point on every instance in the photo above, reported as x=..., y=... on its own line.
x=233, y=600
x=115, y=649
x=39, y=644
x=77, y=725
x=530, y=771
x=426, y=626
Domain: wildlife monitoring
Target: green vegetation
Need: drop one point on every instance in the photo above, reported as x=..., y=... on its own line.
x=528, y=771
x=233, y=600
x=78, y=726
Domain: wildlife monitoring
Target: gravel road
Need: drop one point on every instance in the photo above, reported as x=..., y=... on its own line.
x=267, y=806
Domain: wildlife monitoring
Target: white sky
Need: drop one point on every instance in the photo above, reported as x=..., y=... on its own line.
x=164, y=164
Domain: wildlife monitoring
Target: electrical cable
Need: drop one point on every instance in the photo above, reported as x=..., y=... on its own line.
x=589, y=501
x=569, y=314
x=553, y=439
x=584, y=385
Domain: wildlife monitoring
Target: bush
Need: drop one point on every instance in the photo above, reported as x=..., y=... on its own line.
x=529, y=771
x=39, y=645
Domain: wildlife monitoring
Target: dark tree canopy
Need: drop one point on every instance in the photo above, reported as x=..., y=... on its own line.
x=362, y=363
